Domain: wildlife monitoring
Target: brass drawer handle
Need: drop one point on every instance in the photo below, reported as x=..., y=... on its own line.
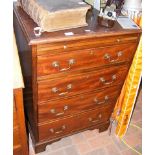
x=109, y=58
x=96, y=120
x=56, y=90
x=59, y=131
x=106, y=98
x=106, y=82
x=53, y=111
x=63, y=93
x=56, y=64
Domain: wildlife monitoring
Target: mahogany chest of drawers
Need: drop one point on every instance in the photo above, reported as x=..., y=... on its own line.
x=71, y=82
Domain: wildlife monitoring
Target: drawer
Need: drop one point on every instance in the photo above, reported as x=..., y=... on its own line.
x=84, y=59
x=69, y=106
x=75, y=123
x=93, y=42
x=73, y=85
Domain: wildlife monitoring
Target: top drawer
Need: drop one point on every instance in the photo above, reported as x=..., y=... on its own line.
x=95, y=42
x=84, y=59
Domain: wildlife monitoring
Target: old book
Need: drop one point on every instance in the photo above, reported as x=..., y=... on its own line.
x=53, y=15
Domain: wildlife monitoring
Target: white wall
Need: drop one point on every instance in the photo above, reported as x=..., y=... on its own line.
x=97, y=4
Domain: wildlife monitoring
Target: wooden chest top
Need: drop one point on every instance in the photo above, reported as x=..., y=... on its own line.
x=93, y=30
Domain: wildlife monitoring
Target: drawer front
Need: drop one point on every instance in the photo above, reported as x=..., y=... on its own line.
x=69, y=106
x=68, y=125
x=84, y=59
x=69, y=85
x=95, y=42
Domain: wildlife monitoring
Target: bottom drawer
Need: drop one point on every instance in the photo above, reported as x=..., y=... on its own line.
x=68, y=125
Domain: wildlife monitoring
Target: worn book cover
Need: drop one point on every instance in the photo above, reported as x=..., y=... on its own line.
x=53, y=15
